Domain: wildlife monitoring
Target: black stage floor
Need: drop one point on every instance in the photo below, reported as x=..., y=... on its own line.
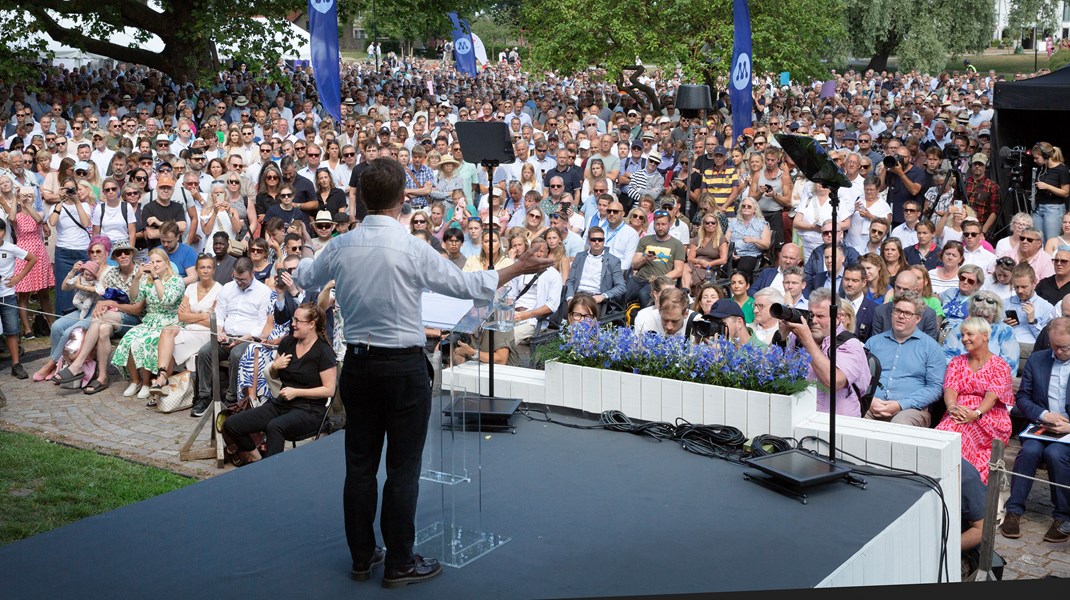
x=589, y=513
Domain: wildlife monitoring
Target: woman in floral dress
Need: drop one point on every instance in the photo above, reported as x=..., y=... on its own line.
x=162, y=292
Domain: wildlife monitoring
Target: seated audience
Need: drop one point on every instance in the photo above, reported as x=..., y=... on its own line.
x=307, y=374
x=978, y=395
x=596, y=272
x=1042, y=398
x=912, y=365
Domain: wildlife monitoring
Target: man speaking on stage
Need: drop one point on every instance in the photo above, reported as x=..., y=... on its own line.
x=380, y=272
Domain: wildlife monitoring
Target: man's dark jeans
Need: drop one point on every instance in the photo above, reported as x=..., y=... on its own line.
x=387, y=395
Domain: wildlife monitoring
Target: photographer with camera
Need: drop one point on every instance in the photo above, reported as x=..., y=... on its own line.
x=903, y=181
x=812, y=330
x=733, y=322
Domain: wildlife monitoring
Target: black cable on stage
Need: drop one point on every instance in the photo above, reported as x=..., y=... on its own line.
x=776, y=444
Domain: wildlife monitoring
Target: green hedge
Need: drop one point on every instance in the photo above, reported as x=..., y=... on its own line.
x=1059, y=60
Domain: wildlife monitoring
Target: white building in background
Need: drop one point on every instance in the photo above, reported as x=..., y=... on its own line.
x=1062, y=32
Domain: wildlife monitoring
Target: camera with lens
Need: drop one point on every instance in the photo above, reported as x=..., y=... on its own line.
x=1013, y=159
x=708, y=327
x=891, y=161
x=790, y=314
x=455, y=337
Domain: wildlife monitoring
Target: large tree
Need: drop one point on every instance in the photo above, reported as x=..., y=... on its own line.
x=1026, y=14
x=920, y=33
x=189, y=29
x=805, y=37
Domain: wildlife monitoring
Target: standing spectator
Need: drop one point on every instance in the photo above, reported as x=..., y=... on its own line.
x=982, y=194
x=70, y=220
x=978, y=395
x=10, y=254
x=1052, y=188
x=903, y=180
x=29, y=227
x=112, y=217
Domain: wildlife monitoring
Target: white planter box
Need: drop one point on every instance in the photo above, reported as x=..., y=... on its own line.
x=658, y=399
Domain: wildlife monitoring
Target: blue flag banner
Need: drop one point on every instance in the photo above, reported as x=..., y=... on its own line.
x=323, y=38
x=739, y=92
x=464, y=56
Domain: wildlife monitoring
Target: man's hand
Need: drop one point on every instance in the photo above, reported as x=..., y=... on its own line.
x=529, y=263
x=802, y=333
x=884, y=408
x=1029, y=310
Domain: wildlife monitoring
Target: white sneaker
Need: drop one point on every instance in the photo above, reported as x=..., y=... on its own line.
x=131, y=390
x=144, y=393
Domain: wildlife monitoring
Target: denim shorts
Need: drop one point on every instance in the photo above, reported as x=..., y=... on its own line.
x=9, y=314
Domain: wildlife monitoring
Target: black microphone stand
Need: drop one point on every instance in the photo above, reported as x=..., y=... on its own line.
x=490, y=165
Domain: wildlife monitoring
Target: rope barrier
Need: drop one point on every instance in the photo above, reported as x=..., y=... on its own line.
x=105, y=321
x=1001, y=468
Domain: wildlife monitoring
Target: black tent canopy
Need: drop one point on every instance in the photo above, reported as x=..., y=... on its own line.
x=1030, y=111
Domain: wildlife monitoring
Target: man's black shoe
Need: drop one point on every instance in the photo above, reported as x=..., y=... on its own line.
x=363, y=572
x=422, y=570
x=19, y=371
x=199, y=408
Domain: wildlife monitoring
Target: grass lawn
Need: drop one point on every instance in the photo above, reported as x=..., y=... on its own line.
x=45, y=485
x=1004, y=64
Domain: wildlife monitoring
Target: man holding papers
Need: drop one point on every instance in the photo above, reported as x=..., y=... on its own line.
x=1044, y=398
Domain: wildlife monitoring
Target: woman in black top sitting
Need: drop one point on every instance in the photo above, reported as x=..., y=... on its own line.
x=306, y=368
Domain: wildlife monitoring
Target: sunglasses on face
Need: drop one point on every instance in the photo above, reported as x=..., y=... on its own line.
x=971, y=234
x=286, y=195
x=968, y=280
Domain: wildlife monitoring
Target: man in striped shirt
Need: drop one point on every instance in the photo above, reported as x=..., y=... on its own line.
x=720, y=179
x=648, y=181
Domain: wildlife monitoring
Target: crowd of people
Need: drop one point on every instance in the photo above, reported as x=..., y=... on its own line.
x=147, y=205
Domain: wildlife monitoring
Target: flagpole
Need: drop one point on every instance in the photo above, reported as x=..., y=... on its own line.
x=375, y=36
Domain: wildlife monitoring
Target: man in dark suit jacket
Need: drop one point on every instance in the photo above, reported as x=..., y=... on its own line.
x=906, y=281
x=852, y=289
x=1046, y=374
x=815, y=263
x=790, y=256
x=610, y=286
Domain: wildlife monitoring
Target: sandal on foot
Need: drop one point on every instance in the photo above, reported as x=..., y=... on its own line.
x=65, y=376
x=95, y=386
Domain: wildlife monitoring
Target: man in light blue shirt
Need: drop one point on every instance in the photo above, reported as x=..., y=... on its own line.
x=380, y=272
x=1031, y=312
x=912, y=366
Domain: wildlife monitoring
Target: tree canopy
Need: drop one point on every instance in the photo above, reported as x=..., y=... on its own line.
x=920, y=33
x=189, y=30
x=805, y=37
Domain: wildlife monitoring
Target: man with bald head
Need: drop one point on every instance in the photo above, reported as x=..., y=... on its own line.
x=790, y=256
x=906, y=281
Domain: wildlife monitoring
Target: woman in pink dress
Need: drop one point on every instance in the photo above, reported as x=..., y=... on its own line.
x=29, y=235
x=978, y=393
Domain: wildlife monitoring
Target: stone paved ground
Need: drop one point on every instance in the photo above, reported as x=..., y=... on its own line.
x=109, y=423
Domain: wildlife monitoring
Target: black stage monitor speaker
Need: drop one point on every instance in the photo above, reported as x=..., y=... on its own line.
x=486, y=143
x=691, y=99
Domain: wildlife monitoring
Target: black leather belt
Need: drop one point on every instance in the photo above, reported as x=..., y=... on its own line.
x=366, y=350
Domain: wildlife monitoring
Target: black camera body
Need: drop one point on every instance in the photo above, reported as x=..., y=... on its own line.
x=783, y=312
x=708, y=327
x=891, y=161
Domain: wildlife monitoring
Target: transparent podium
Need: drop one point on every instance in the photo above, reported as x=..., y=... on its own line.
x=453, y=451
